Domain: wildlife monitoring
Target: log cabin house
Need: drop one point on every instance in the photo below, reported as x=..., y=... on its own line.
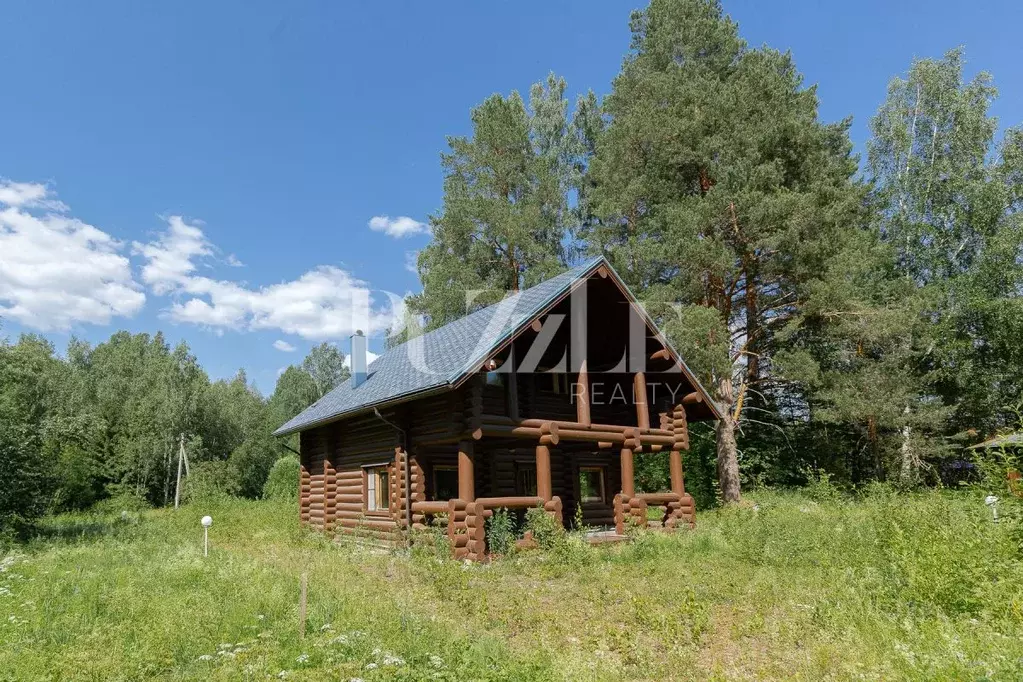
x=541, y=399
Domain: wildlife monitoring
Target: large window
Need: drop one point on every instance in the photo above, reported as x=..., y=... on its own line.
x=378, y=479
x=591, y=484
x=445, y=482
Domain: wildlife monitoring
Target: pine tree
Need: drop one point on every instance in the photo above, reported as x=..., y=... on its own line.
x=716, y=186
x=506, y=211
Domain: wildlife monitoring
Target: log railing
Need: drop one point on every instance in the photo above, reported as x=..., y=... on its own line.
x=678, y=510
x=466, y=529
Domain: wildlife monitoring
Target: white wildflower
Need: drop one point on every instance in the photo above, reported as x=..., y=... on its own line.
x=391, y=659
x=436, y=661
x=205, y=657
x=371, y=666
x=302, y=658
x=325, y=626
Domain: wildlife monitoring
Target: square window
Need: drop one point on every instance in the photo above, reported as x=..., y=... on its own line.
x=445, y=482
x=378, y=479
x=591, y=484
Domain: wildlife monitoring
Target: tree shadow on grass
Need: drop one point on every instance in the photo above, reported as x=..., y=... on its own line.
x=74, y=529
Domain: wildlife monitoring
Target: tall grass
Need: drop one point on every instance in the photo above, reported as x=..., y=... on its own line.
x=883, y=586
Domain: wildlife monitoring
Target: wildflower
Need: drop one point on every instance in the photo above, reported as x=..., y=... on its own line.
x=325, y=626
x=371, y=666
x=302, y=658
x=282, y=674
x=205, y=657
x=391, y=659
x=436, y=661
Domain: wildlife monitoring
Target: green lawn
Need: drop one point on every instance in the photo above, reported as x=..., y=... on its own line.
x=885, y=587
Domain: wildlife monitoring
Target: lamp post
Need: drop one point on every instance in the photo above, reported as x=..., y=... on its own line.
x=207, y=521
x=992, y=502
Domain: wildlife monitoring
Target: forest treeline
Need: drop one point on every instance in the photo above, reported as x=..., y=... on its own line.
x=854, y=315
x=109, y=421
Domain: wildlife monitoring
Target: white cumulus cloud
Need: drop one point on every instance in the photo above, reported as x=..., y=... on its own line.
x=284, y=346
x=324, y=303
x=402, y=226
x=56, y=270
x=370, y=357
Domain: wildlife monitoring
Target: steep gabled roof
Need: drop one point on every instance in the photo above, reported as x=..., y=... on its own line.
x=441, y=358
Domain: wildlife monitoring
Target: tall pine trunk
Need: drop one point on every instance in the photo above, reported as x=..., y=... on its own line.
x=727, y=451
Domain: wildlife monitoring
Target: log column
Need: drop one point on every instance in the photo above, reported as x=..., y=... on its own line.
x=543, y=472
x=628, y=470
x=639, y=397
x=677, y=482
x=466, y=475
x=582, y=398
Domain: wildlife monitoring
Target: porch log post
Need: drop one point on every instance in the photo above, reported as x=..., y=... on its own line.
x=543, y=473
x=639, y=397
x=466, y=475
x=677, y=482
x=582, y=398
x=628, y=470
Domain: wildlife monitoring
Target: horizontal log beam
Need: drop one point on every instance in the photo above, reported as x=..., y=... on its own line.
x=493, y=420
x=510, y=502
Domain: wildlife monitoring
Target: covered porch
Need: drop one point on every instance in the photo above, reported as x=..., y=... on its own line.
x=581, y=473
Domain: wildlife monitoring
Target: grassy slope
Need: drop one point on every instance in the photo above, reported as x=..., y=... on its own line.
x=922, y=587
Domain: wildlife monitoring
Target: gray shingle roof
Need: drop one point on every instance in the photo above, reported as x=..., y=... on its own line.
x=439, y=357
x=442, y=357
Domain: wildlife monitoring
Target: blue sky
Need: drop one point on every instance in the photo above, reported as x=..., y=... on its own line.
x=278, y=131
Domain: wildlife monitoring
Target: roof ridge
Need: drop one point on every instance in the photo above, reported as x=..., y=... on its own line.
x=582, y=267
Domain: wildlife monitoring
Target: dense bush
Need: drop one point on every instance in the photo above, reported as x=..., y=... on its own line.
x=500, y=532
x=282, y=482
x=546, y=530
x=210, y=481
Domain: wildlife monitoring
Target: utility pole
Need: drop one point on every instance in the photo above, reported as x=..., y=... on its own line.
x=181, y=458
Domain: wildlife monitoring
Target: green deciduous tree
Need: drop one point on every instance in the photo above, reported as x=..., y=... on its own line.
x=27, y=374
x=947, y=199
x=326, y=365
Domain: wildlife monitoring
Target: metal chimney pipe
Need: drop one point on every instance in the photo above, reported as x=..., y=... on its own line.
x=358, y=358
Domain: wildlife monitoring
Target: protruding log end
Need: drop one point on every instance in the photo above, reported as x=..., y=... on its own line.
x=692, y=398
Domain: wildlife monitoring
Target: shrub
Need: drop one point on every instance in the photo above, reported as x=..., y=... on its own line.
x=210, y=481
x=282, y=481
x=501, y=532
x=546, y=530
x=121, y=502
